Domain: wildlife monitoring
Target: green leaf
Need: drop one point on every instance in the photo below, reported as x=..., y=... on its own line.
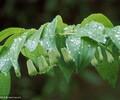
x=47, y=40
x=81, y=49
x=69, y=29
x=5, y=63
x=97, y=18
x=32, y=42
x=15, y=50
x=87, y=52
x=5, y=85
x=60, y=25
x=93, y=30
x=114, y=34
x=73, y=43
x=107, y=65
x=10, y=40
x=9, y=31
x=1, y=48
x=34, y=54
x=67, y=68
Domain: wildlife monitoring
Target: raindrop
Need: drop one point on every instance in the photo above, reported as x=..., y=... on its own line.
x=19, y=39
x=4, y=73
x=117, y=36
x=65, y=29
x=41, y=42
x=105, y=40
x=88, y=45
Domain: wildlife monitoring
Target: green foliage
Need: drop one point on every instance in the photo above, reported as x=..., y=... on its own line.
x=5, y=84
x=69, y=47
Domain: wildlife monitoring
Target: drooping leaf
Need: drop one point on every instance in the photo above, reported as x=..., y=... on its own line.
x=32, y=42
x=9, y=31
x=97, y=18
x=34, y=54
x=107, y=65
x=93, y=30
x=10, y=40
x=81, y=49
x=114, y=34
x=67, y=68
x=5, y=63
x=15, y=50
x=87, y=52
x=73, y=43
x=5, y=85
x=47, y=39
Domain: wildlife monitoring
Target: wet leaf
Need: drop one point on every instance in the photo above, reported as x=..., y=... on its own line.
x=5, y=63
x=34, y=54
x=93, y=30
x=97, y=18
x=81, y=49
x=9, y=31
x=114, y=34
x=32, y=42
x=15, y=50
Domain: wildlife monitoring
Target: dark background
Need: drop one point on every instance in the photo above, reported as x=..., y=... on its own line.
x=87, y=85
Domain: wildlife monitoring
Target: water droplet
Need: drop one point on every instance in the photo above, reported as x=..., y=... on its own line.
x=88, y=45
x=75, y=49
x=5, y=73
x=65, y=29
x=41, y=42
x=19, y=39
x=105, y=40
x=117, y=36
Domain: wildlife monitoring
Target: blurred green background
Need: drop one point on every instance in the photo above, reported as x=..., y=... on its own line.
x=87, y=85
